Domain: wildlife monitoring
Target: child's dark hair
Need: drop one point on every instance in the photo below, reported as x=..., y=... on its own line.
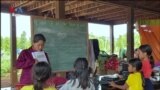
x=82, y=72
x=147, y=48
x=41, y=72
x=135, y=62
x=136, y=50
x=38, y=37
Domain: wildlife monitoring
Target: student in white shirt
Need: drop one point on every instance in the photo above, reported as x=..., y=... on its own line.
x=82, y=79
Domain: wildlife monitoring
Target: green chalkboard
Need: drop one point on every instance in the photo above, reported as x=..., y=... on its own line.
x=66, y=40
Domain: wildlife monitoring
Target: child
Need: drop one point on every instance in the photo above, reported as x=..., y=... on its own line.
x=135, y=79
x=136, y=53
x=145, y=54
x=57, y=80
x=81, y=80
x=41, y=72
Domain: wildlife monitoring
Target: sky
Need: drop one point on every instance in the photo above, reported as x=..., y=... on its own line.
x=23, y=24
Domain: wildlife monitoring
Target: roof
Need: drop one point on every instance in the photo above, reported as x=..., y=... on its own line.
x=102, y=11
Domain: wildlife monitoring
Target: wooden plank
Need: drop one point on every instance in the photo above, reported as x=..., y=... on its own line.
x=13, y=51
x=116, y=19
x=130, y=34
x=84, y=12
x=60, y=9
x=99, y=11
x=107, y=12
x=40, y=4
x=79, y=7
x=49, y=8
x=112, y=16
x=111, y=38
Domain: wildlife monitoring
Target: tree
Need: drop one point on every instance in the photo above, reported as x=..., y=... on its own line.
x=120, y=43
x=5, y=45
x=136, y=40
x=22, y=42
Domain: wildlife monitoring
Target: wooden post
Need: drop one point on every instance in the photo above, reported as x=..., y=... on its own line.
x=13, y=51
x=130, y=34
x=111, y=39
x=60, y=9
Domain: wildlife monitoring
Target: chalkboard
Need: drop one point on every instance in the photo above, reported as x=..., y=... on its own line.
x=66, y=40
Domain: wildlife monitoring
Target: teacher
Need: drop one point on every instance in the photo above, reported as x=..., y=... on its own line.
x=25, y=60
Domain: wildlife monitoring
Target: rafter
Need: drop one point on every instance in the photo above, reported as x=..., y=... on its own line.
x=51, y=7
x=40, y=4
x=110, y=17
x=114, y=10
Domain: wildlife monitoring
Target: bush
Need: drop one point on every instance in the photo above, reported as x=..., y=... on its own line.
x=5, y=65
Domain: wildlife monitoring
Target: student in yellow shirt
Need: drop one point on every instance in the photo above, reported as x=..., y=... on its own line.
x=41, y=72
x=135, y=78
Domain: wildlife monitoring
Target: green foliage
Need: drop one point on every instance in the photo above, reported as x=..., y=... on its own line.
x=136, y=40
x=5, y=64
x=120, y=43
x=5, y=42
x=22, y=43
x=104, y=43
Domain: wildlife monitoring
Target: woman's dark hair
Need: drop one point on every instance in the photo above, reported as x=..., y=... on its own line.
x=82, y=72
x=41, y=72
x=135, y=62
x=38, y=37
x=147, y=49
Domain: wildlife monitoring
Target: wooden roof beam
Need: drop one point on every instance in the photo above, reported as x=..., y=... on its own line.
x=113, y=16
x=99, y=11
x=20, y=3
x=137, y=7
x=85, y=12
x=50, y=7
x=39, y=4
x=77, y=7
x=116, y=19
x=114, y=11
x=70, y=3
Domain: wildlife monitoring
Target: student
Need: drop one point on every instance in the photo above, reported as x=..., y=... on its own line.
x=57, y=80
x=82, y=80
x=25, y=60
x=41, y=72
x=145, y=54
x=136, y=53
x=135, y=78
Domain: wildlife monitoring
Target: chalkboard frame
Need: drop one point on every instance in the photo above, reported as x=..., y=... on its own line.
x=65, y=20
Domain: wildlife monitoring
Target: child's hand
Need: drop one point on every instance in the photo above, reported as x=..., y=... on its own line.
x=112, y=84
x=36, y=61
x=120, y=76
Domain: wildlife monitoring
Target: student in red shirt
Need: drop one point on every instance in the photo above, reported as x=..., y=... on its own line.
x=145, y=54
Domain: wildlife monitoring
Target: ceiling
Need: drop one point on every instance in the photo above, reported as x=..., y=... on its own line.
x=100, y=11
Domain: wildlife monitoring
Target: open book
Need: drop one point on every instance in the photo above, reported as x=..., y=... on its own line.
x=40, y=56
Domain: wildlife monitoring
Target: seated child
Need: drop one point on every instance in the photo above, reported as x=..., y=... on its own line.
x=82, y=80
x=135, y=80
x=56, y=80
x=41, y=72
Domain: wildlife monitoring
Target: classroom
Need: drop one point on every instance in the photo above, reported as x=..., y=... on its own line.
x=112, y=35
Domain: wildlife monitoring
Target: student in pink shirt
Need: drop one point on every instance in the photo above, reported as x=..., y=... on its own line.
x=25, y=60
x=145, y=54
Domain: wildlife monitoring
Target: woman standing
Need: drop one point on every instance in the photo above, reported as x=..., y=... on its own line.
x=25, y=60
